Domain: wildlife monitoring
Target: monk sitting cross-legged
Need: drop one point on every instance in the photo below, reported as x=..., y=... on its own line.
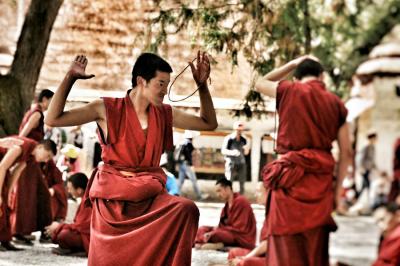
x=237, y=226
x=256, y=256
x=73, y=238
x=134, y=220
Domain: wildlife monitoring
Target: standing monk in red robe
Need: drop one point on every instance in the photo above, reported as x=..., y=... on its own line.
x=22, y=155
x=237, y=225
x=73, y=238
x=33, y=122
x=300, y=183
x=134, y=220
x=32, y=126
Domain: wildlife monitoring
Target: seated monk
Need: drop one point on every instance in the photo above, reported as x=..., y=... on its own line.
x=256, y=256
x=73, y=238
x=237, y=226
x=389, y=250
x=18, y=157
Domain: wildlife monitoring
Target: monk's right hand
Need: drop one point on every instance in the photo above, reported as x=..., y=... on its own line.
x=78, y=67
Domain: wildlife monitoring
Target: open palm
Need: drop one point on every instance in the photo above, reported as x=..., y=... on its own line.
x=78, y=67
x=201, y=72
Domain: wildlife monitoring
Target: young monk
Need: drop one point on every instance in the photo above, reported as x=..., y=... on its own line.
x=22, y=155
x=55, y=183
x=130, y=202
x=32, y=123
x=389, y=248
x=237, y=225
x=73, y=238
x=256, y=256
x=301, y=198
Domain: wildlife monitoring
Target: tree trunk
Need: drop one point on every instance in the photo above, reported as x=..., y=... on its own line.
x=17, y=88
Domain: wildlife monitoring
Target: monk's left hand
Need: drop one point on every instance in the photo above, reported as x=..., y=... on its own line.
x=51, y=228
x=201, y=72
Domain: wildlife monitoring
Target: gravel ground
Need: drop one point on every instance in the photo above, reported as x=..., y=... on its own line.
x=355, y=243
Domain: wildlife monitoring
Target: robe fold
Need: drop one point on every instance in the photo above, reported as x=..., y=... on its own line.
x=75, y=236
x=237, y=225
x=59, y=203
x=134, y=220
x=300, y=184
x=36, y=133
x=30, y=199
x=5, y=227
x=395, y=186
x=389, y=251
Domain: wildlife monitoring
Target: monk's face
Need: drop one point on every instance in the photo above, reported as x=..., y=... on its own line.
x=156, y=88
x=41, y=154
x=222, y=192
x=74, y=192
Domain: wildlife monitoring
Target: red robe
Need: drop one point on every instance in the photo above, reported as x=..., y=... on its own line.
x=389, y=251
x=54, y=180
x=240, y=252
x=36, y=133
x=134, y=220
x=30, y=201
x=75, y=236
x=237, y=226
x=299, y=184
x=5, y=227
x=395, y=187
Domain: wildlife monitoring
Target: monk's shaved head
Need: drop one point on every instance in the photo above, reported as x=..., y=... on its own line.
x=308, y=68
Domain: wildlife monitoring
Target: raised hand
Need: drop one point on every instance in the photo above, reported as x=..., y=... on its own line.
x=300, y=59
x=201, y=72
x=78, y=66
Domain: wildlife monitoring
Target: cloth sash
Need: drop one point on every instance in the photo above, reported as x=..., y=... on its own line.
x=125, y=184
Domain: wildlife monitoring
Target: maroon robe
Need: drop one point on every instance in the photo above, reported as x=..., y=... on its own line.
x=5, y=227
x=240, y=252
x=36, y=133
x=237, y=226
x=75, y=236
x=389, y=252
x=395, y=187
x=30, y=199
x=300, y=184
x=59, y=203
x=134, y=220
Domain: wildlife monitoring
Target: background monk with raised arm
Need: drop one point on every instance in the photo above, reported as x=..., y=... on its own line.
x=128, y=195
x=300, y=183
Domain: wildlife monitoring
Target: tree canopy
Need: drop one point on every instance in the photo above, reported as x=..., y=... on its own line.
x=269, y=33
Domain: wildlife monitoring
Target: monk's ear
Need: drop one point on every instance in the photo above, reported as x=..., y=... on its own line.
x=141, y=81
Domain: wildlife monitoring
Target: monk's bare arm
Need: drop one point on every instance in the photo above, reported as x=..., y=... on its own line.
x=8, y=160
x=268, y=84
x=207, y=119
x=32, y=123
x=57, y=117
x=258, y=251
x=15, y=174
x=345, y=158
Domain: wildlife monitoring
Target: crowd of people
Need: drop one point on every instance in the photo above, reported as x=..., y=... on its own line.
x=126, y=199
